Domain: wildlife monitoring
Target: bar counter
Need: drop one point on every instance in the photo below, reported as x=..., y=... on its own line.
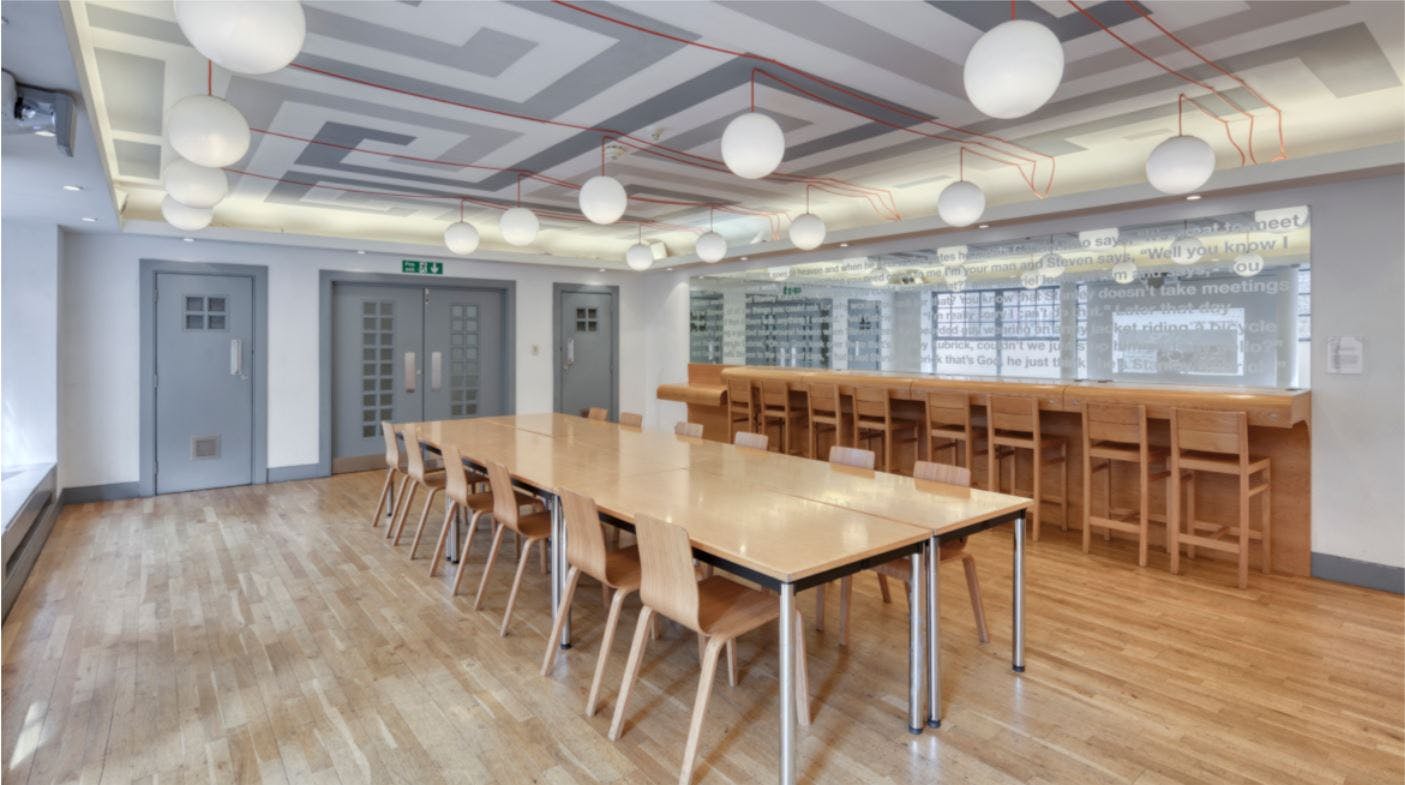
x=1279, y=429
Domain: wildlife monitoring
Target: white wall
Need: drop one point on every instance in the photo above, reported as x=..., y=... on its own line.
x=100, y=369
x=1358, y=289
x=29, y=280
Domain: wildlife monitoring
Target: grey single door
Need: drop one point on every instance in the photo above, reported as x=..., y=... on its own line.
x=586, y=352
x=204, y=393
x=463, y=333
x=377, y=367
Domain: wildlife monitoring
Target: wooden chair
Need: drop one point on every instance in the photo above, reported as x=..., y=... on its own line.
x=460, y=498
x=824, y=415
x=950, y=550
x=751, y=441
x=1012, y=425
x=631, y=420
x=1117, y=433
x=717, y=609
x=533, y=527
x=949, y=426
x=394, y=466
x=854, y=458
x=421, y=477
x=1218, y=443
x=873, y=418
x=691, y=429
x=741, y=405
x=776, y=410
x=616, y=570
x=596, y=413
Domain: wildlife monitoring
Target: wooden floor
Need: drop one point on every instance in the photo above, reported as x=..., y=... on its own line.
x=266, y=634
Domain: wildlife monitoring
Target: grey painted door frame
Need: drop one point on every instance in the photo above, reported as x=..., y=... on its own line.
x=558, y=350
x=149, y=268
x=324, y=365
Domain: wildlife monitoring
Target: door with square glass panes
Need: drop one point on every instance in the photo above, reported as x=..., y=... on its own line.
x=410, y=354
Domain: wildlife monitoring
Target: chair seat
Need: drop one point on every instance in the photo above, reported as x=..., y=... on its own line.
x=480, y=502
x=434, y=480
x=1054, y=446
x=896, y=424
x=1117, y=451
x=1213, y=462
x=948, y=433
x=776, y=412
x=825, y=419
x=535, y=526
x=729, y=609
x=622, y=568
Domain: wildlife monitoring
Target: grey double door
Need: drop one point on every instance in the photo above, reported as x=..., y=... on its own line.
x=410, y=353
x=204, y=393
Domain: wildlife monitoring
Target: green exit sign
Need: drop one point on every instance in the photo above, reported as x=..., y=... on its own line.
x=422, y=268
x=790, y=290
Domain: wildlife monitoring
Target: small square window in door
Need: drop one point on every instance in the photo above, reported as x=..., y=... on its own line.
x=587, y=320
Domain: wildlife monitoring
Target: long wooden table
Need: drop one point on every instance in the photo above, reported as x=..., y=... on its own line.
x=785, y=523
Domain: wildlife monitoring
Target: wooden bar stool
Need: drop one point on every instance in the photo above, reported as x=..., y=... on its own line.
x=1115, y=433
x=533, y=527
x=873, y=418
x=717, y=609
x=690, y=429
x=1218, y=443
x=631, y=420
x=1012, y=425
x=616, y=570
x=741, y=405
x=950, y=427
x=460, y=498
x=421, y=477
x=395, y=466
x=751, y=441
x=776, y=410
x=596, y=413
x=824, y=414
x=950, y=550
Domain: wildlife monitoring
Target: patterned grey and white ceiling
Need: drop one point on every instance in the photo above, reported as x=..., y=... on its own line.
x=393, y=111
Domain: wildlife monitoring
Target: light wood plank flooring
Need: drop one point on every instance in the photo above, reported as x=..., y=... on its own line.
x=267, y=634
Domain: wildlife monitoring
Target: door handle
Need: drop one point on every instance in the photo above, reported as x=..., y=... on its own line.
x=236, y=357
x=436, y=370
x=570, y=352
x=410, y=372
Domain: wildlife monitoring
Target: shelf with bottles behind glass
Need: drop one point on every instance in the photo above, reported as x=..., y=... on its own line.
x=865, y=335
x=790, y=332
x=705, y=327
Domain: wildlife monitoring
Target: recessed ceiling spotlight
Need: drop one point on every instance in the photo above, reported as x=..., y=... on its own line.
x=88, y=219
x=746, y=258
x=187, y=239
x=1193, y=198
x=360, y=251
x=73, y=188
x=983, y=226
x=45, y=134
x=843, y=245
x=601, y=270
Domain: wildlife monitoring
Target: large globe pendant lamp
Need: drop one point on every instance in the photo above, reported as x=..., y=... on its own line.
x=194, y=185
x=1187, y=249
x=1051, y=265
x=753, y=145
x=961, y=203
x=244, y=36
x=639, y=257
x=519, y=226
x=711, y=247
x=603, y=199
x=1124, y=272
x=208, y=131
x=461, y=238
x=807, y=232
x=1013, y=69
x=1180, y=164
x=185, y=217
x=1248, y=265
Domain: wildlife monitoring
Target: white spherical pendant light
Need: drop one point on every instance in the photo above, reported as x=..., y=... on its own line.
x=1013, y=69
x=711, y=247
x=207, y=131
x=194, y=185
x=1031, y=279
x=1180, y=164
x=961, y=203
x=639, y=257
x=519, y=226
x=603, y=199
x=1248, y=265
x=185, y=217
x=954, y=275
x=461, y=238
x=753, y=145
x=1124, y=272
x=807, y=231
x=1187, y=249
x=1051, y=265
x=244, y=36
